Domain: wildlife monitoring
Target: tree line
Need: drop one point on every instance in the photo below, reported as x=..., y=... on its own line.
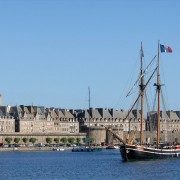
x=49, y=140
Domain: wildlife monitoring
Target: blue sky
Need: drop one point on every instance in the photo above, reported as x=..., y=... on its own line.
x=51, y=51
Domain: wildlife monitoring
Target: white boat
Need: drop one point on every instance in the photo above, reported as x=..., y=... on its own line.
x=58, y=149
x=112, y=147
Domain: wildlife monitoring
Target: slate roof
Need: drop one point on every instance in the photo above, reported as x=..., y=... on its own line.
x=67, y=114
x=106, y=114
x=59, y=113
x=94, y=113
x=1, y=113
x=178, y=113
x=3, y=110
x=172, y=114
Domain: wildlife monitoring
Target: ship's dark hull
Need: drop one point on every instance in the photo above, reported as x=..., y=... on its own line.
x=132, y=153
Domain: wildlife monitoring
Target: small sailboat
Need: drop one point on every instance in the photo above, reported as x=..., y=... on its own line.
x=58, y=149
x=111, y=146
x=131, y=151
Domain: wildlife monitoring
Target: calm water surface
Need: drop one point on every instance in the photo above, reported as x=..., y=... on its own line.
x=93, y=165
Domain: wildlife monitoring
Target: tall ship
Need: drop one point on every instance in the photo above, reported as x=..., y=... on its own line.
x=144, y=151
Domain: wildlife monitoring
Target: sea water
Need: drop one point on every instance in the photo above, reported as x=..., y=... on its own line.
x=69, y=165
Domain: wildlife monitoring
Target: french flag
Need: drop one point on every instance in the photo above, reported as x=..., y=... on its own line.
x=164, y=48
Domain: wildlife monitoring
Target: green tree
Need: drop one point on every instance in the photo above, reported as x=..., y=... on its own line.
x=91, y=140
x=32, y=140
x=16, y=140
x=56, y=140
x=78, y=140
x=88, y=140
x=25, y=140
x=49, y=140
x=71, y=140
x=8, y=140
x=84, y=140
x=64, y=140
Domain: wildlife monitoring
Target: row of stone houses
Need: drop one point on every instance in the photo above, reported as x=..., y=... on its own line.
x=110, y=117
x=169, y=121
x=38, y=119
x=34, y=119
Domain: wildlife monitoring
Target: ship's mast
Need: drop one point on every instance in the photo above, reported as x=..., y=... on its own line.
x=142, y=95
x=158, y=85
x=89, y=103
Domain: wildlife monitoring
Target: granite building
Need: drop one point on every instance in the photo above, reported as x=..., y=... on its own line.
x=112, y=118
x=38, y=119
x=169, y=121
x=96, y=119
x=7, y=122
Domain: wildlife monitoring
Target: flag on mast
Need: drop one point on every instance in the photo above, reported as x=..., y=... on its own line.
x=164, y=48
